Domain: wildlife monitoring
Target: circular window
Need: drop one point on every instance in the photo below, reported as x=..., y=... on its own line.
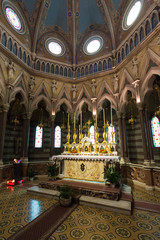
x=55, y=47
x=132, y=13
x=13, y=16
x=93, y=45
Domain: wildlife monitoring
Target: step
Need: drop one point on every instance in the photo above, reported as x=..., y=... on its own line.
x=44, y=191
x=120, y=206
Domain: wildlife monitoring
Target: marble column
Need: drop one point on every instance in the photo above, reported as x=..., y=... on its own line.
x=3, y=122
x=148, y=131
x=121, y=137
x=124, y=136
x=52, y=137
x=144, y=141
x=25, y=138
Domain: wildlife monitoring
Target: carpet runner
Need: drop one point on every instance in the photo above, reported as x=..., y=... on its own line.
x=44, y=225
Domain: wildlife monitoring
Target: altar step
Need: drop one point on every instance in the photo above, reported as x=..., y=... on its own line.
x=120, y=206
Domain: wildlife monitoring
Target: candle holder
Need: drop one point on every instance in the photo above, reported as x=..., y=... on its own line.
x=74, y=138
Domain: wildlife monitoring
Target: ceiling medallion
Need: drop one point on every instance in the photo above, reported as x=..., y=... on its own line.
x=13, y=16
x=132, y=14
x=93, y=45
x=55, y=47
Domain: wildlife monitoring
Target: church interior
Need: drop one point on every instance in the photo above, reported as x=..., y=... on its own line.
x=80, y=92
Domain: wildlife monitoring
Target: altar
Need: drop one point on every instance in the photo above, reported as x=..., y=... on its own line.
x=89, y=168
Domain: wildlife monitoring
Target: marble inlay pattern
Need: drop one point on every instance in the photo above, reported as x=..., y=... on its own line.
x=17, y=208
x=88, y=223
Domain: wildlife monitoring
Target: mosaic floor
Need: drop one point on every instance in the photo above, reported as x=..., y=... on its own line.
x=17, y=208
x=88, y=223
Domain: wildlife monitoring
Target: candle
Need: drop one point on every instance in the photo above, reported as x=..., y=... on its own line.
x=104, y=116
x=111, y=113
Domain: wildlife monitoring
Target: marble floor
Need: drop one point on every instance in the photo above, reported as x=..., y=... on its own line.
x=18, y=208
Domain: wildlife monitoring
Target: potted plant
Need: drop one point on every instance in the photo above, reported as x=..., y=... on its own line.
x=31, y=173
x=65, y=195
x=112, y=176
x=53, y=171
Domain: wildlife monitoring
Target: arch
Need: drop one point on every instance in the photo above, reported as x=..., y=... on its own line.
x=90, y=69
x=78, y=73
x=82, y=71
x=38, y=99
x=28, y=60
x=127, y=49
x=136, y=40
x=24, y=56
x=60, y=102
x=9, y=44
x=47, y=67
x=69, y=73
x=61, y=71
x=43, y=67
x=141, y=34
x=123, y=97
x=15, y=49
x=119, y=57
x=52, y=68
x=65, y=72
x=109, y=63
x=86, y=70
x=104, y=65
x=110, y=98
x=154, y=20
x=147, y=27
x=80, y=104
x=38, y=65
x=4, y=39
x=19, y=90
x=99, y=66
x=57, y=70
x=123, y=55
x=131, y=44
x=20, y=53
x=95, y=67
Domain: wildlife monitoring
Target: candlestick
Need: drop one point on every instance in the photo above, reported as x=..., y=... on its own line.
x=74, y=121
x=81, y=119
x=68, y=120
x=104, y=116
x=111, y=113
x=96, y=120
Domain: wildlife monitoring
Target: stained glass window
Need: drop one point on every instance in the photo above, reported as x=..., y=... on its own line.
x=13, y=18
x=57, y=139
x=92, y=134
x=155, y=131
x=38, y=138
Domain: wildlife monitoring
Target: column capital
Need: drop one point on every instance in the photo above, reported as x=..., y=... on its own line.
x=140, y=106
x=5, y=107
x=52, y=118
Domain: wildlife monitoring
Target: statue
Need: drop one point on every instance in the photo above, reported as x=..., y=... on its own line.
x=54, y=87
x=11, y=69
x=31, y=84
x=93, y=87
x=115, y=82
x=135, y=62
x=74, y=90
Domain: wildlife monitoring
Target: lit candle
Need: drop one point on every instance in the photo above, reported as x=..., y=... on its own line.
x=104, y=116
x=111, y=113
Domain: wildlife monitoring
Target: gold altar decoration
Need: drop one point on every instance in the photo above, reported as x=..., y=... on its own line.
x=84, y=170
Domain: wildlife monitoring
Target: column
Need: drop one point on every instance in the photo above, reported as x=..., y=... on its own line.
x=151, y=155
x=3, y=122
x=142, y=122
x=121, y=137
x=52, y=137
x=25, y=137
x=124, y=136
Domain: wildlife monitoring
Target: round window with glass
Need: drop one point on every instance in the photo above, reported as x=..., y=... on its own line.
x=13, y=18
x=132, y=13
x=93, y=45
x=55, y=47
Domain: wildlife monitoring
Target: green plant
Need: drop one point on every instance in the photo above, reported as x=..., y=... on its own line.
x=65, y=191
x=112, y=176
x=31, y=173
x=53, y=170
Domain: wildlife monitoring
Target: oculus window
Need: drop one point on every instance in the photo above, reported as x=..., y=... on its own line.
x=155, y=126
x=55, y=47
x=13, y=16
x=38, y=137
x=93, y=45
x=132, y=13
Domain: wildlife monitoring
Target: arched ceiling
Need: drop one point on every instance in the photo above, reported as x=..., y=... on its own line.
x=73, y=22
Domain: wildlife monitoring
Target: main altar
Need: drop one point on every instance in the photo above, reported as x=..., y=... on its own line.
x=86, y=159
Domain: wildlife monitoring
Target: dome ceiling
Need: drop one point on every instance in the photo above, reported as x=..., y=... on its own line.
x=72, y=22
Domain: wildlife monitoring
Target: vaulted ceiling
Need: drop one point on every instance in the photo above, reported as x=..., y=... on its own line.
x=73, y=22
